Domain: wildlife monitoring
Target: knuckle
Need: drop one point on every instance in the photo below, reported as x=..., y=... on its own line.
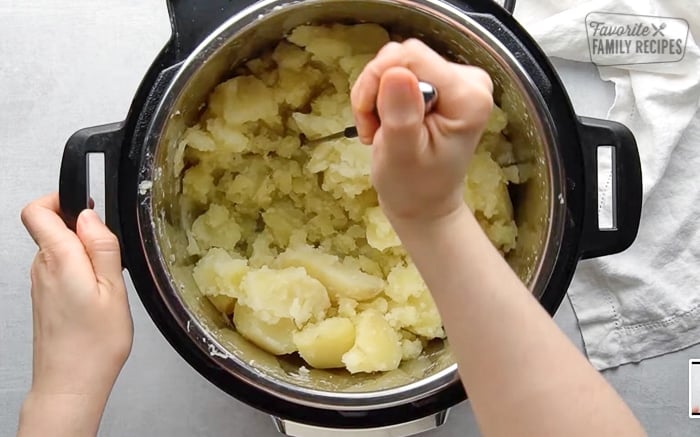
x=387, y=48
x=474, y=76
x=27, y=212
x=51, y=258
x=479, y=104
x=484, y=78
x=106, y=281
x=408, y=123
x=393, y=130
x=373, y=67
x=104, y=243
x=483, y=101
x=414, y=44
x=391, y=54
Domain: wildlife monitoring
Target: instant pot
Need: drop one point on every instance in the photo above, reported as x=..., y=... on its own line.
x=556, y=211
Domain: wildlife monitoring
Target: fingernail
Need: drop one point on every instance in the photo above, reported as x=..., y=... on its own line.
x=90, y=218
x=399, y=105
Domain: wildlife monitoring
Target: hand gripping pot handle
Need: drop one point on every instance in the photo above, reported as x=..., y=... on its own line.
x=295, y=429
x=626, y=187
x=74, y=180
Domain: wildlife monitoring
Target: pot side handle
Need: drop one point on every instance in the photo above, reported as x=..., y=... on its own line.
x=295, y=429
x=192, y=20
x=74, y=179
x=626, y=187
x=509, y=5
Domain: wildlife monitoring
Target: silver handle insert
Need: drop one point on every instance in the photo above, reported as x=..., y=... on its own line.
x=295, y=429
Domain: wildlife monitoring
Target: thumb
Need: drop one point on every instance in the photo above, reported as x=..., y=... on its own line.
x=401, y=110
x=101, y=246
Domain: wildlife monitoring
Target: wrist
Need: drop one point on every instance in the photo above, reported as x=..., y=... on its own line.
x=75, y=415
x=408, y=228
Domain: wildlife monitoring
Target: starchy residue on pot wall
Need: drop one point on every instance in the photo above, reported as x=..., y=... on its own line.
x=289, y=241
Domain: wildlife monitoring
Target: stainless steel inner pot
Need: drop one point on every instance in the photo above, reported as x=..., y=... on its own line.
x=539, y=204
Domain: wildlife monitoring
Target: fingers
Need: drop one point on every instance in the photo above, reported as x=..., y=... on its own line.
x=364, y=93
x=476, y=88
x=42, y=220
x=102, y=247
x=401, y=110
x=453, y=82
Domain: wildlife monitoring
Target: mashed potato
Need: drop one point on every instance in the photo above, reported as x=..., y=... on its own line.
x=289, y=241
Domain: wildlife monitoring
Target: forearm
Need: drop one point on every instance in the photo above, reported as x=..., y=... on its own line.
x=60, y=415
x=523, y=376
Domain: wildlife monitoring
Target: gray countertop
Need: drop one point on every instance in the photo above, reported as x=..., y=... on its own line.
x=72, y=64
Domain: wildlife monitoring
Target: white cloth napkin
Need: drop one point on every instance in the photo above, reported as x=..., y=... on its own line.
x=644, y=302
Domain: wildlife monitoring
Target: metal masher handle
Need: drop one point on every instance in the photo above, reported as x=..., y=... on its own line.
x=430, y=95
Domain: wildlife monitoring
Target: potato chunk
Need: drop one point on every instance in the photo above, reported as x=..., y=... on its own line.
x=218, y=273
x=331, y=43
x=290, y=56
x=486, y=188
x=197, y=183
x=418, y=315
x=323, y=345
x=227, y=137
x=199, y=140
x=244, y=99
x=282, y=219
x=339, y=279
x=275, y=338
x=343, y=181
x=404, y=282
x=214, y=228
x=296, y=85
x=411, y=349
x=320, y=42
x=347, y=307
x=224, y=304
x=498, y=120
x=380, y=233
x=285, y=293
x=377, y=345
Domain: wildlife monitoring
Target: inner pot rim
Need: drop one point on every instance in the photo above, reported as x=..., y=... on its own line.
x=255, y=15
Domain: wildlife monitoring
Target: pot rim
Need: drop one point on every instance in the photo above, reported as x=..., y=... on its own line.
x=199, y=335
